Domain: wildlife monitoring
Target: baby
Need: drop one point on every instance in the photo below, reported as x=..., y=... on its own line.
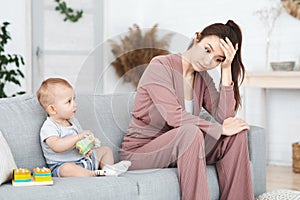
x=61, y=131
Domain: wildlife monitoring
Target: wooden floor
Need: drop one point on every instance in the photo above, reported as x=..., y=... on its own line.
x=279, y=177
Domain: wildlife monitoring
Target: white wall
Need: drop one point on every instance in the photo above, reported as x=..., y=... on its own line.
x=187, y=17
x=17, y=12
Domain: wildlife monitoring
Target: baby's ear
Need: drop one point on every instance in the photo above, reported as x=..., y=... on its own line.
x=51, y=110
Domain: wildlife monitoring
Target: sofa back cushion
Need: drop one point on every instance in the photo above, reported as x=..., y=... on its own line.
x=107, y=116
x=20, y=121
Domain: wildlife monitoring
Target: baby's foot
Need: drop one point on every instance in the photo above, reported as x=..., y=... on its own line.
x=109, y=172
x=117, y=169
x=99, y=173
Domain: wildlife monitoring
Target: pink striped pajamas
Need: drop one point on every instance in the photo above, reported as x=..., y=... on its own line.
x=162, y=134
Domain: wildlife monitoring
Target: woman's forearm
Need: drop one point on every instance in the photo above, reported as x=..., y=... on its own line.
x=226, y=76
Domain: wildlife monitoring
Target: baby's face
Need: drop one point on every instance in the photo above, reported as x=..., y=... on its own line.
x=64, y=102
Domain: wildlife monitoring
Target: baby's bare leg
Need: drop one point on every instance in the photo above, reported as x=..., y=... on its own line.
x=105, y=156
x=71, y=169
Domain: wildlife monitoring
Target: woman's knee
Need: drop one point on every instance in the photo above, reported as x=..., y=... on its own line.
x=191, y=131
x=242, y=136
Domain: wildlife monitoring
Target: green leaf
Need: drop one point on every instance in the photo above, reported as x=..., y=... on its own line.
x=22, y=60
x=17, y=61
x=2, y=93
x=20, y=73
x=64, y=5
x=21, y=93
x=13, y=74
x=15, y=81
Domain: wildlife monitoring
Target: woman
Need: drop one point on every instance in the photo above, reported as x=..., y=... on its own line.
x=166, y=131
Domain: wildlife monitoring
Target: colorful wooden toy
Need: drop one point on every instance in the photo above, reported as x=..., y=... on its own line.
x=41, y=176
x=22, y=175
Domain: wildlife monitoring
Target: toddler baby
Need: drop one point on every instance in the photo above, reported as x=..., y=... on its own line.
x=61, y=131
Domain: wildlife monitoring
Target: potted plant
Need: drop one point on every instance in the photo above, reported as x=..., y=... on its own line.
x=10, y=72
x=136, y=51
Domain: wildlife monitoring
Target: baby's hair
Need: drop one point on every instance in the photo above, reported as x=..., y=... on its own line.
x=45, y=93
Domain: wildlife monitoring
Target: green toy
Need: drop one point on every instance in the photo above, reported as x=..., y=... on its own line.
x=87, y=144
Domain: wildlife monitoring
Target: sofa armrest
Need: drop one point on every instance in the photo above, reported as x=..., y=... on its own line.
x=257, y=153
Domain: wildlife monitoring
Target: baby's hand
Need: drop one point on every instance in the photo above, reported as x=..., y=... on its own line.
x=84, y=134
x=97, y=143
x=88, y=154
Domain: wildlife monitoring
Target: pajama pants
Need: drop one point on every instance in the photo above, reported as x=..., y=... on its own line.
x=189, y=149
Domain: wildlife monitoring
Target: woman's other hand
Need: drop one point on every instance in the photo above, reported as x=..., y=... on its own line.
x=232, y=126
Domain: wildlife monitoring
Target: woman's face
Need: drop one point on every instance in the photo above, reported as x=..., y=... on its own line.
x=207, y=54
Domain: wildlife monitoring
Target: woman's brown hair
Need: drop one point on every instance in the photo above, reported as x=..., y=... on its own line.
x=232, y=31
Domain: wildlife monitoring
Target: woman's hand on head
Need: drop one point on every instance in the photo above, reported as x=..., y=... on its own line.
x=229, y=51
x=232, y=126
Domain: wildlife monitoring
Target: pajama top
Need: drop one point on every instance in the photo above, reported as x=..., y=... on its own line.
x=159, y=103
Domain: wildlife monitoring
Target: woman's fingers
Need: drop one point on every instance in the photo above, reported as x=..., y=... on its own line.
x=236, y=46
x=233, y=126
x=244, y=125
x=228, y=48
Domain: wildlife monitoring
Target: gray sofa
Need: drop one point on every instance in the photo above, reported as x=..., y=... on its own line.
x=107, y=116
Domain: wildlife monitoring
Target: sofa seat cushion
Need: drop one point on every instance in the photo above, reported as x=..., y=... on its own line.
x=161, y=182
x=139, y=184
x=92, y=188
